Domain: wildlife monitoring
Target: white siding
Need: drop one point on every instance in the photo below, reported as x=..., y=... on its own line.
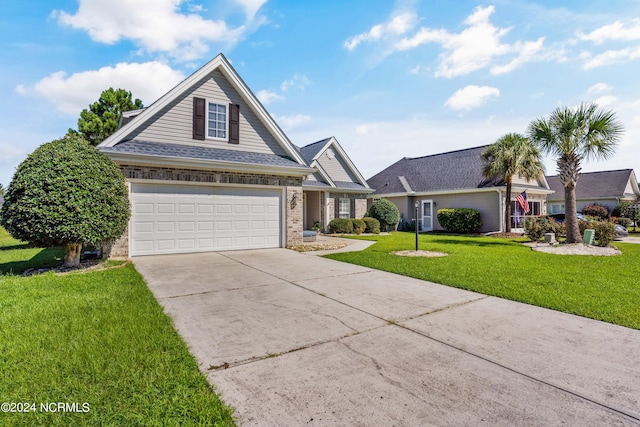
x=519, y=180
x=174, y=123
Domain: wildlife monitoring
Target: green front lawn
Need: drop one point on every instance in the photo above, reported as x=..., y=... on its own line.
x=98, y=340
x=603, y=288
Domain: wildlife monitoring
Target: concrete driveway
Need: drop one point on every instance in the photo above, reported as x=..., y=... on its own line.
x=290, y=339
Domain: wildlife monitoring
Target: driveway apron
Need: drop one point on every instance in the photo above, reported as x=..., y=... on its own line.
x=289, y=339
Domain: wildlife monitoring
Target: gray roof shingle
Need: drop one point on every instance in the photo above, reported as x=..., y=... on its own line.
x=594, y=185
x=309, y=151
x=202, y=153
x=455, y=170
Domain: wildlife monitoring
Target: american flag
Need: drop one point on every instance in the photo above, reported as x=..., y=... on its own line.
x=522, y=201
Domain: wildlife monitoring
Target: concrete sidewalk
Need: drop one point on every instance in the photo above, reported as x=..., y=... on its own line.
x=290, y=339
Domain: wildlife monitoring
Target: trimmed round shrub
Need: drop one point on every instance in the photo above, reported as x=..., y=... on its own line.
x=625, y=222
x=66, y=193
x=386, y=212
x=372, y=225
x=358, y=225
x=459, y=220
x=596, y=210
x=341, y=226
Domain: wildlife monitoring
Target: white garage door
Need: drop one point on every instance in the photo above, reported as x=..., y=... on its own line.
x=179, y=218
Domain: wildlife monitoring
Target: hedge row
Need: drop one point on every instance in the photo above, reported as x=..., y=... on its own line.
x=354, y=225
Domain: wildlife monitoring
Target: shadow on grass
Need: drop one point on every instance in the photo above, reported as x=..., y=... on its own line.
x=471, y=242
x=45, y=258
x=18, y=246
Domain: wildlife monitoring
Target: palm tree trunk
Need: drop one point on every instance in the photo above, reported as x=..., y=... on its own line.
x=570, y=218
x=507, y=209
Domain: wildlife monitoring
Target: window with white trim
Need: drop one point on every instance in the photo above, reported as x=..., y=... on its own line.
x=344, y=210
x=556, y=208
x=217, y=120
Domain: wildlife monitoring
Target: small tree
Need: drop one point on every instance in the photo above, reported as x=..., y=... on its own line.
x=103, y=116
x=66, y=193
x=386, y=212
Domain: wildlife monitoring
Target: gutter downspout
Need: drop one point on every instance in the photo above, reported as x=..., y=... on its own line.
x=501, y=207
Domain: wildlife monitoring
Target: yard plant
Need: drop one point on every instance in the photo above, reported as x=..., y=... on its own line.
x=66, y=193
x=98, y=338
x=599, y=287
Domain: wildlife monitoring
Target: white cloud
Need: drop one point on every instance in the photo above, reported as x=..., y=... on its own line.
x=11, y=153
x=599, y=88
x=298, y=81
x=606, y=100
x=72, y=93
x=471, y=96
x=475, y=47
x=154, y=25
x=289, y=122
x=615, y=31
x=611, y=57
x=267, y=97
x=399, y=23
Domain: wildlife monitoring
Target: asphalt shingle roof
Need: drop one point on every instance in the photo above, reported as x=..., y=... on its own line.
x=309, y=151
x=594, y=185
x=202, y=153
x=455, y=170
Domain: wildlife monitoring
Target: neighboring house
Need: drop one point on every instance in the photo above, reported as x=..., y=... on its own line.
x=606, y=188
x=336, y=189
x=1, y=200
x=209, y=169
x=453, y=180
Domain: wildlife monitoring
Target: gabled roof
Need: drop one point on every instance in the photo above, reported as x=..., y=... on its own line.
x=313, y=151
x=452, y=171
x=221, y=64
x=599, y=185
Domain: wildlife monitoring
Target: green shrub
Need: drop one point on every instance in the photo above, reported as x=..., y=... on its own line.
x=358, y=225
x=536, y=228
x=372, y=225
x=596, y=210
x=605, y=232
x=407, y=226
x=386, y=212
x=459, y=220
x=341, y=226
x=66, y=193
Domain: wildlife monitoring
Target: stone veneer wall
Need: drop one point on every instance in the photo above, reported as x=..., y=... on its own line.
x=293, y=184
x=361, y=204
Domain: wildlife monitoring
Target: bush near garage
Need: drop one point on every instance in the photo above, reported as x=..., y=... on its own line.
x=341, y=226
x=459, y=220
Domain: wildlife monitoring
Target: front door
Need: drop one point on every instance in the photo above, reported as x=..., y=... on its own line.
x=427, y=215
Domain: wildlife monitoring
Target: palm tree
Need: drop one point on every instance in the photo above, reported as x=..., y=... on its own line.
x=573, y=135
x=510, y=155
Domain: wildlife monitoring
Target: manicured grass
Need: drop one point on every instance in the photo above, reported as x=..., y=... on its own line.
x=603, y=288
x=98, y=338
x=16, y=256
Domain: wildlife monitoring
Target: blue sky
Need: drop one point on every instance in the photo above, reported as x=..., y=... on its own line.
x=387, y=79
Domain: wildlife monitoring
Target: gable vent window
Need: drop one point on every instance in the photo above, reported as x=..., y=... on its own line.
x=213, y=120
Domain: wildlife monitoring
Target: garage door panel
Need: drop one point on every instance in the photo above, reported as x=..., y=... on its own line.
x=178, y=218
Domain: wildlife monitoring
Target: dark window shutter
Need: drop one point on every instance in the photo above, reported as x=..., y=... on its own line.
x=199, y=119
x=234, y=124
x=337, y=207
x=352, y=208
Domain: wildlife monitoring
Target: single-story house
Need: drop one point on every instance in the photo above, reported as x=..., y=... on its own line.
x=453, y=180
x=606, y=188
x=336, y=189
x=209, y=169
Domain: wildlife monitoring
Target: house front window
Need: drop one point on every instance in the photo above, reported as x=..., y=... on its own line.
x=344, y=210
x=217, y=123
x=556, y=208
